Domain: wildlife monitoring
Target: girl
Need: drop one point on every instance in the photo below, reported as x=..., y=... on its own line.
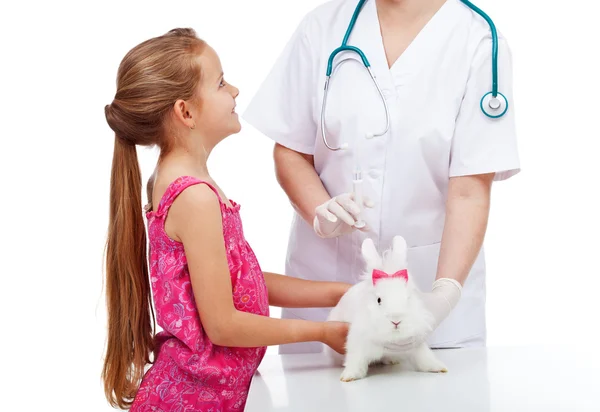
x=211, y=297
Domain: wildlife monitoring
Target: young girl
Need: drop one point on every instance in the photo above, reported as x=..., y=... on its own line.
x=210, y=295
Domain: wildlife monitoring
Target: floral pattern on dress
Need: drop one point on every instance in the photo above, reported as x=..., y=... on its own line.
x=190, y=373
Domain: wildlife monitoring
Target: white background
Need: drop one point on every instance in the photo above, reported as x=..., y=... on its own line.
x=58, y=70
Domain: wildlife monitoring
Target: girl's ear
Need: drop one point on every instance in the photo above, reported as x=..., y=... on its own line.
x=182, y=114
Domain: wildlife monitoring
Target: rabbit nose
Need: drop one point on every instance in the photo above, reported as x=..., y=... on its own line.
x=396, y=323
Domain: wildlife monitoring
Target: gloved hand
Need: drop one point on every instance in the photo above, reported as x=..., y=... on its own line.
x=445, y=294
x=338, y=216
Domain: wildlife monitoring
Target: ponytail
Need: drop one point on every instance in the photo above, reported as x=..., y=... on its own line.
x=128, y=297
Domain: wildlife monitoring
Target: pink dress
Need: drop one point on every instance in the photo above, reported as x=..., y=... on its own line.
x=190, y=372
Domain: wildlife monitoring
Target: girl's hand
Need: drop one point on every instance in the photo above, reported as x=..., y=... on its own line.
x=334, y=335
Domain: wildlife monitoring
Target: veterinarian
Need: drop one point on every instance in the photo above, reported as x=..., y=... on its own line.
x=393, y=117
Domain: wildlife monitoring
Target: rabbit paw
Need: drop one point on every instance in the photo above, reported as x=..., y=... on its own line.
x=390, y=361
x=431, y=365
x=425, y=361
x=350, y=375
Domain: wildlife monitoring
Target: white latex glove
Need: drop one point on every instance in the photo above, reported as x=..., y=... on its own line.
x=338, y=216
x=445, y=294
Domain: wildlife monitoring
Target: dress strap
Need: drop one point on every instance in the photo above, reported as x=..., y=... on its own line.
x=177, y=187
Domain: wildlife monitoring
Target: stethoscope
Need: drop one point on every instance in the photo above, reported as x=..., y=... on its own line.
x=493, y=104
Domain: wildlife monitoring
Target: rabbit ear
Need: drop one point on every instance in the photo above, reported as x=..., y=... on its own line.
x=370, y=254
x=399, y=249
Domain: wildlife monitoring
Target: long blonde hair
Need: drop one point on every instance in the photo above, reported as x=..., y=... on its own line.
x=151, y=78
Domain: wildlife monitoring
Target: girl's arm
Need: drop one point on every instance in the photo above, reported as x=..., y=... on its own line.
x=289, y=292
x=195, y=219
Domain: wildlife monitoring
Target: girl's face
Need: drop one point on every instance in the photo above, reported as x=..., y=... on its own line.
x=215, y=118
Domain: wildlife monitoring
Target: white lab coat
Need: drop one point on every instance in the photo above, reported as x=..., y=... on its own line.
x=437, y=131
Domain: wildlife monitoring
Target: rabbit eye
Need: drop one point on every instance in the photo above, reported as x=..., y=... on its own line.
x=379, y=300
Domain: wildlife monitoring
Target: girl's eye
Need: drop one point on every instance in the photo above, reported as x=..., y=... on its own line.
x=222, y=84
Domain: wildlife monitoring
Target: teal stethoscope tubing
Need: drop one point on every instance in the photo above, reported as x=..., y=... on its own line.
x=490, y=104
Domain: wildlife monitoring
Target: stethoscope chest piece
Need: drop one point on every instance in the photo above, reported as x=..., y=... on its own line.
x=494, y=107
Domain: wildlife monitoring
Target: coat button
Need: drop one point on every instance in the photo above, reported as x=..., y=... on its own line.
x=374, y=173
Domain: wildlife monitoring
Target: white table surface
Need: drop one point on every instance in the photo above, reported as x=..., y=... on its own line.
x=479, y=380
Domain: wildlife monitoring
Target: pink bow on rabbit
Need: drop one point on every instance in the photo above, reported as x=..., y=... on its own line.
x=380, y=274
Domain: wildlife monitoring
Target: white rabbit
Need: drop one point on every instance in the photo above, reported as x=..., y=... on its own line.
x=383, y=308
